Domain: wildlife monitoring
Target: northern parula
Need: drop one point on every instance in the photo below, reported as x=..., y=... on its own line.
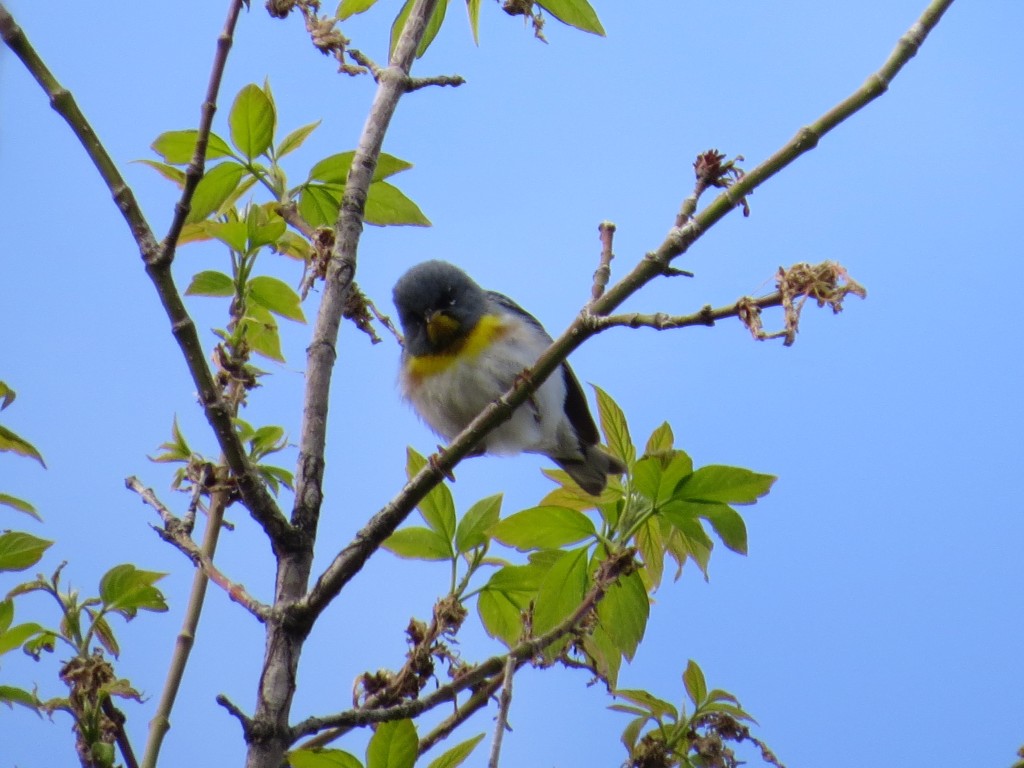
x=464, y=348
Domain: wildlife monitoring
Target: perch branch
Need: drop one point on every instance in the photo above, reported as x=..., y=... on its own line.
x=501, y=722
x=350, y=560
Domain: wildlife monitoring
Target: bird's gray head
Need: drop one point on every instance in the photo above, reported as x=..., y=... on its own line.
x=438, y=305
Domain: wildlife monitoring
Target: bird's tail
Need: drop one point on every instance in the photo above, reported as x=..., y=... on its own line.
x=591, y=472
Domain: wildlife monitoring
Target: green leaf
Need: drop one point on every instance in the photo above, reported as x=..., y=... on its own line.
x=319, y=203
x=544, y=528
x=19, y=550
x=647, y=702
x=623, y=613
x=504, y=597
x=348, y=8
x=263, y=227
x=10, y=696
x=252, y=120
x=177, y=147
x=561, y=590
x=501, y=616
x=474, y=525
x=605, y=654
x=214, y=189
x=266, y=440
x=575, y=13
x=260, y=330
x=334, y=168
x=9, y=441
x=7, y=395
x=386, y=205
x=322, y=758
x=473, y=7
x=457, y=755
x=176, y=449
x=418, y=543
x=689, y=540
x=393, y=745
x=169, y=172
x=6, y=614
x=231, y=233
x=293, y=246
x=276, y=476
x=693, y=680
x=651, y=543
x=18, y=635
x=730, y=485
x=19, y=504
x=276, y=296
x=632, y=732
x=126, y=589
x=210, y=283
x=437, y=508
x=295, y=139
x=660, y=441
x=105, y=634
x=433, y=26
x=613, y=424
x=728, y=524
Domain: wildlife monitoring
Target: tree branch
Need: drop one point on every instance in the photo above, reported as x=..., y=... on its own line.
x=270, y=735
x=258, y=501
x=610, y=570
x=64, y=104
x=350, y=560
x=161, y=720
x=194, y=172
x=174, y=533
x=322, y=354
x=501, y=722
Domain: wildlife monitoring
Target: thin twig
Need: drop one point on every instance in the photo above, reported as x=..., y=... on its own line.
x=415, y=83
x=244, y=720
x=481, y=696
x=161, y=721
x=117, y=717
x=64, y=103
x=194, y=172
x=501, y=722
x=706, y=316
x=603, y=273
x=611, y=569
x=174, y=534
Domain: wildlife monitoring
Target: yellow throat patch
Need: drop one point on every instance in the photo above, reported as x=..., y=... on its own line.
x=487, y=330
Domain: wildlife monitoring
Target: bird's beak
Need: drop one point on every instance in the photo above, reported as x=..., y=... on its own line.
x=441, y=328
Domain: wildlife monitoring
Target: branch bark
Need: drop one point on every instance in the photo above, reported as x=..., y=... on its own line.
x=270, y=735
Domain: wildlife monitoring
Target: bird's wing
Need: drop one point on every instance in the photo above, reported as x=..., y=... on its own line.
x=576, y=408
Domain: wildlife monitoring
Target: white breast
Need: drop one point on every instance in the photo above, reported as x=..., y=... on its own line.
x=449, y=400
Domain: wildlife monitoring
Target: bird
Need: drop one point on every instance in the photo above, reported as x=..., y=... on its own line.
x=465, y=346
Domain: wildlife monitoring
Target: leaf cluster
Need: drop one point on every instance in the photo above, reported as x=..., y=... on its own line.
x=693, y=738
x=659, y=510
x=393, y=745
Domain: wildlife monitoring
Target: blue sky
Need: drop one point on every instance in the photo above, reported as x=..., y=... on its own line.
x=877, y=617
